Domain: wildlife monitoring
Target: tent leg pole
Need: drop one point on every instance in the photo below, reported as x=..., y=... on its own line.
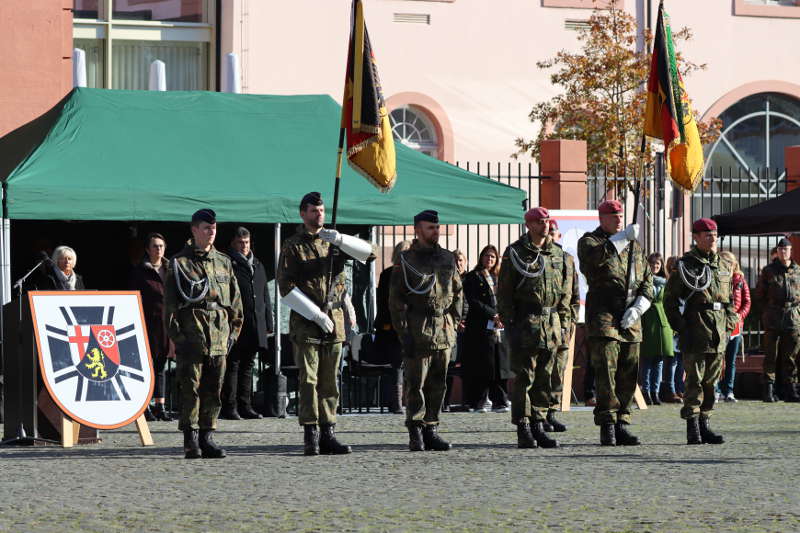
x=277, y=301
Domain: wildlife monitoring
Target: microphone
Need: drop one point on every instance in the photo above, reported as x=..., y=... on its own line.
x=44, y=258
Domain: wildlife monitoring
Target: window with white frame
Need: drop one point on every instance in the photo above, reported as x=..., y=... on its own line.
x=121, y=38
x=412, y=127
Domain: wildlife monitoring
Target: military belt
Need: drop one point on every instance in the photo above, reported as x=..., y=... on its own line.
x=534, y=309
x=712, y=306
x=208, y=306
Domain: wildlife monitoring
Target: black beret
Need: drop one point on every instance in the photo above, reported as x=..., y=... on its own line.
x=428, y=215
x=204, y=215
x=784, y=242
x=312, y=198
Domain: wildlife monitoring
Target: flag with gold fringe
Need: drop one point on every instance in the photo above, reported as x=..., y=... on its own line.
x=668, y=115
x=370, y=146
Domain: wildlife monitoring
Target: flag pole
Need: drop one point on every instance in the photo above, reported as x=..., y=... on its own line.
x=637, y=191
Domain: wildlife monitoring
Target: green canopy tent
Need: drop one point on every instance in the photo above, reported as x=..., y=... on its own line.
x=149, y=155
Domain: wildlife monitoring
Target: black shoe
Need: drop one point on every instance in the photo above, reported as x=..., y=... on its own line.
x=790, y=393
x=693, y=431
x=148, y=415
x=329, y=444
x=654, y=398
x=541, y=438
x=415, y=442
x=524, y=436
x=607, y=436
x=625, y=437
x=554, y=423
x=209, y=447
x=647, y=399
x=708, y=436
x=229, y=414
x=191, y=447
x=547, y=427
x=310, y=439
x=160, y=413
x=248, y=413
x=768, y=394
x=432, y=440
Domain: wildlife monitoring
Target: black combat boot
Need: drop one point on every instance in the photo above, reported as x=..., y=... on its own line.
x=541, y=438
x=607, y=436
x=229, y=413
x=148, y=415
x=708, y=436
x=310, y=439
x=329, y=444
x=647, y=399
x=768, y=395
x=415, y=442
x=693, y=431
x=625, y=437
x=433, y=441
x=556, y=424
x=790, y=393
x=654, y=398
x=524, y=436
x=159, y=413
x=209, y=447
x=247, y=411
x=191, y=447
x=547, y=426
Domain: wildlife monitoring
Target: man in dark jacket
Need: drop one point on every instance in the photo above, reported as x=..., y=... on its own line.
x=237, y=389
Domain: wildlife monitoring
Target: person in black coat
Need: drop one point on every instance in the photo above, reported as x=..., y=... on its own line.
x=148, y=278
x=237, y=389
x=59, y=274
x=482, y=347
x=387, y=347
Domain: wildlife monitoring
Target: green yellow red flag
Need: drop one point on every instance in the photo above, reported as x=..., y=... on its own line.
x=668, y=114
x=370, y=146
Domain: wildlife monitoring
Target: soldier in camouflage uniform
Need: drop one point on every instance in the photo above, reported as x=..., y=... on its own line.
x=533, y=296
x=425, y=301
x=560, y=364
x=203, y=311
x=778, y=292
x=613, y=318
x=702, y=287
x=316, y=324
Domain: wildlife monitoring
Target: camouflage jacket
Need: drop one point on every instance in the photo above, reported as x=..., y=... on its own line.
x=701, y=328
x=605, y=272
x=204, y=327
x=778, y=293
x=429, y=319
x=304, y=263
x=535, y=310
x=575, y=298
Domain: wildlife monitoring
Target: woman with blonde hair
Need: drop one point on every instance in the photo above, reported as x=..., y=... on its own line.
x=740, y=297
x=61, y=275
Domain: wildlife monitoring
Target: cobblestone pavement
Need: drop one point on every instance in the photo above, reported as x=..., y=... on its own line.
x=484, y=483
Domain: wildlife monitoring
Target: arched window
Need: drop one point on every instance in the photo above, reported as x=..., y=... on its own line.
x=413, y=127
x=755, y=131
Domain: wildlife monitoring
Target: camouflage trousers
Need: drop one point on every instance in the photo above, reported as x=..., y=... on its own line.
x=200, y=383
x=317, y=381
x=702, y=373
x=530, y=397
x=781, y=349
x=557, y=378
x=425, y=385
x=616, y=370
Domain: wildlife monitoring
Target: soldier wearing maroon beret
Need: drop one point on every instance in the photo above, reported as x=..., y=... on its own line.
x=613, y=318
x=697, y=301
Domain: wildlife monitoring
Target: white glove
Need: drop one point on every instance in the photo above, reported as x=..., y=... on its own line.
x=620, y=239
x=352, y=246
x=302, y=305
x=635, y=312
x=632, y=232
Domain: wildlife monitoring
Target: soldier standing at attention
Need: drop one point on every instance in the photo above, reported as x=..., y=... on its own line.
x=533, y=294
x=203, y=311
x=425, y=301
x=702, y=284
x=316, y=324
x=778, y=292
x=560, y=363
x=613, y=318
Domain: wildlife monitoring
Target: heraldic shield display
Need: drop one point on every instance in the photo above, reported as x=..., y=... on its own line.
x=93, y=354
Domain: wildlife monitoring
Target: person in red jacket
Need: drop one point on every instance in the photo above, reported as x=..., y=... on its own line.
x=741, y=304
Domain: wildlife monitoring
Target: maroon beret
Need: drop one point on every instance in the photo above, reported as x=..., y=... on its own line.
x=704, y=224
x=610, y=207
x=537, y=213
